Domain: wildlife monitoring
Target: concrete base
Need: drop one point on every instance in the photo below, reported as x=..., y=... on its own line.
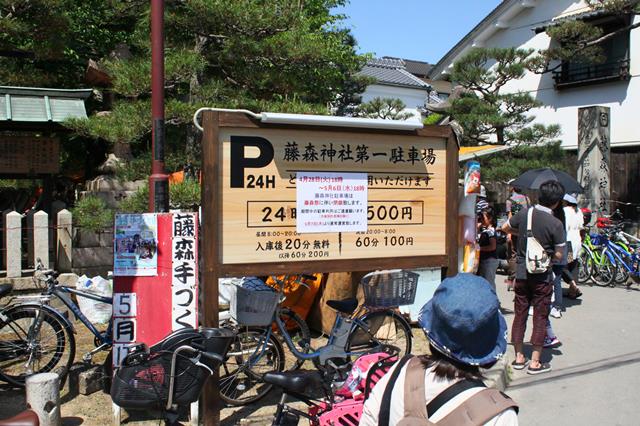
x=85, y=379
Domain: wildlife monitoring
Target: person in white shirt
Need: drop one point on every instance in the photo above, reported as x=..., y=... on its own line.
x=574, y=224
x=465, y=330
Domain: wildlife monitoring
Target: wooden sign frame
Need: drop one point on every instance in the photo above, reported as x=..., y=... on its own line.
x=211, y=244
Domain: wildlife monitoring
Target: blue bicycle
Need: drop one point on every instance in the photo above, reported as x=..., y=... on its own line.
x=35, y=337
x=621, y=254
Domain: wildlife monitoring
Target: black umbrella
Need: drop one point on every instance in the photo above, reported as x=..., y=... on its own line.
x=532, y=179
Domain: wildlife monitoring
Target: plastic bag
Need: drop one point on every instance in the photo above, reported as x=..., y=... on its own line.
x=96, y=312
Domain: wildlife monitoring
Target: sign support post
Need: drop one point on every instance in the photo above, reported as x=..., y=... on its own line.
x=210, y=254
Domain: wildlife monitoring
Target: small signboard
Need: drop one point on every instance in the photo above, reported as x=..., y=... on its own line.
x=331, y=202
x=147, y=307
x=135, y=251
x=29, y=155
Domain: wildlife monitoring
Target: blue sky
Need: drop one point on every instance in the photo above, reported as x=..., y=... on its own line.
x=422, y=30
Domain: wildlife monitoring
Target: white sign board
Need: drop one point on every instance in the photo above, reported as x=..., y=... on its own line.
x=331, y=202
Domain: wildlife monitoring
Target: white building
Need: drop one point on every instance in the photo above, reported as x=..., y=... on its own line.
x=614, y=83
x=392, y=80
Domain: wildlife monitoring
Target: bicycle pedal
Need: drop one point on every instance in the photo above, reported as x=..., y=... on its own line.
x=86, y=358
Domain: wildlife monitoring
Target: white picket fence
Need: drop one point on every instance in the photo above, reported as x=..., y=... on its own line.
x=39, y=233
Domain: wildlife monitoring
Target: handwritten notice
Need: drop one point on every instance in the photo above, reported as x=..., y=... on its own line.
x=331, y=202
x=136, y=245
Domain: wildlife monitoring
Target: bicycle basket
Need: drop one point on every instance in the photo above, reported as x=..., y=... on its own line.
x=146, y=385
x=390, y=288
x=253, y=308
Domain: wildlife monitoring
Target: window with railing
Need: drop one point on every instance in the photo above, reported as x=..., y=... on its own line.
x=614, y=67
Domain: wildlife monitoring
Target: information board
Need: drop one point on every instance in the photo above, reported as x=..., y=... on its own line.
x=29, y=155
x=405, y=182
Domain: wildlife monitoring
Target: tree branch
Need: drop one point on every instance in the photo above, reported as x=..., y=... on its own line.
x=609, y=35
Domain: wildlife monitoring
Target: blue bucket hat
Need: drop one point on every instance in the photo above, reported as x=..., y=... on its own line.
x=463, y=321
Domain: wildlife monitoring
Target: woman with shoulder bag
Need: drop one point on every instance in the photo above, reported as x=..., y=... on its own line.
x=465, y=331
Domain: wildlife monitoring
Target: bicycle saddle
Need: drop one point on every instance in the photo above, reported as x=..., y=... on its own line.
x=346, y=306
x=5, y=289
x=295, y=381
x=26, y=418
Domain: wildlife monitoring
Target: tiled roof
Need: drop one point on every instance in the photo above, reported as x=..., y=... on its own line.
x=417, y=68
x=30, y=104
x=392, y=71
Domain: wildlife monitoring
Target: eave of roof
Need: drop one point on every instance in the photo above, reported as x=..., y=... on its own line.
x=41, y=105
x=580, y=16
x=439, y=67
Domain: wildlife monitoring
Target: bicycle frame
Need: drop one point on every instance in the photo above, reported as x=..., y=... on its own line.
x=615, y=253
x=60, y=293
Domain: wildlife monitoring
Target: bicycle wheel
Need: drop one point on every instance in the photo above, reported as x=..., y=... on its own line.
x=25, y=351
x=382, y=327
x=299, y=332
x=240, y=380
x=605, y=271
x=585, y=267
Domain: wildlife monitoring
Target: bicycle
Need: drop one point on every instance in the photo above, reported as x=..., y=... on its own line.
x=241, y=386
x=170, y=375
x=357, y=330
x=34, y=335
x=620, y=253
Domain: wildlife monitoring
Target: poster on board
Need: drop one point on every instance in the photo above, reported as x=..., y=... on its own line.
x=135, y=251
x=331, y=202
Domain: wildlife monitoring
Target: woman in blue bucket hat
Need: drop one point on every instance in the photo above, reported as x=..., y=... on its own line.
x=465, y=331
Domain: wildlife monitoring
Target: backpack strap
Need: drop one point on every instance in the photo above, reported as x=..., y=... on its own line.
x=529, y=220
x=479, y=409
x=452, y=391
x=415, y=403
x=385, y=404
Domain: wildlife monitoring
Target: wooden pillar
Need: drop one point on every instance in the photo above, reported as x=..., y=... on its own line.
x=452, y=205
x=210, y=254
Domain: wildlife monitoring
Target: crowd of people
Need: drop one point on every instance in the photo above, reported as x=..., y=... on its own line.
x=557, y=224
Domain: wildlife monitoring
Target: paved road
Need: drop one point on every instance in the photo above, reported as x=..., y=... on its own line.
x=596, y=372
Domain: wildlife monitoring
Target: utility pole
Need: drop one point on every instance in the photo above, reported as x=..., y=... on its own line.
x=159, y=180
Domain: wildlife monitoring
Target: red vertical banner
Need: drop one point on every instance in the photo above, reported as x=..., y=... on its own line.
x=148, y=308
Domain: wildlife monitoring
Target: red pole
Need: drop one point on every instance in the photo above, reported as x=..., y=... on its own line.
x=159, y=180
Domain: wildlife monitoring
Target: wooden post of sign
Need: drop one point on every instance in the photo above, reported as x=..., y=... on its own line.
x=452, y=205
x=210, y=256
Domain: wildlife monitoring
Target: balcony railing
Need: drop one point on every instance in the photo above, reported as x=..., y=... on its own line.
x=591, y=74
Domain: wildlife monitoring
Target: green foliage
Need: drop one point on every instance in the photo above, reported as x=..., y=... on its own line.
x=485, y=109
x=512, y=163
x=140, y=166
x=184, y=195
x=91, y=213
x=385, y=108
x=432, y=119
x=138, y=202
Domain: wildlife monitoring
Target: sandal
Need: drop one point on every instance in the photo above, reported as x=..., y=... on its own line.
x=574, y=294
x=519, y=365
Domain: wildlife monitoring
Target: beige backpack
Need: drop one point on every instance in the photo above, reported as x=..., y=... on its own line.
x=537, y=258
x=474, y=411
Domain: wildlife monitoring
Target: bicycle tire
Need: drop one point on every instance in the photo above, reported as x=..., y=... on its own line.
x=605, y=271
x=299, y=333
x=381, y=322
x=239, y=383
x=14, y=343
x=585, y=267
